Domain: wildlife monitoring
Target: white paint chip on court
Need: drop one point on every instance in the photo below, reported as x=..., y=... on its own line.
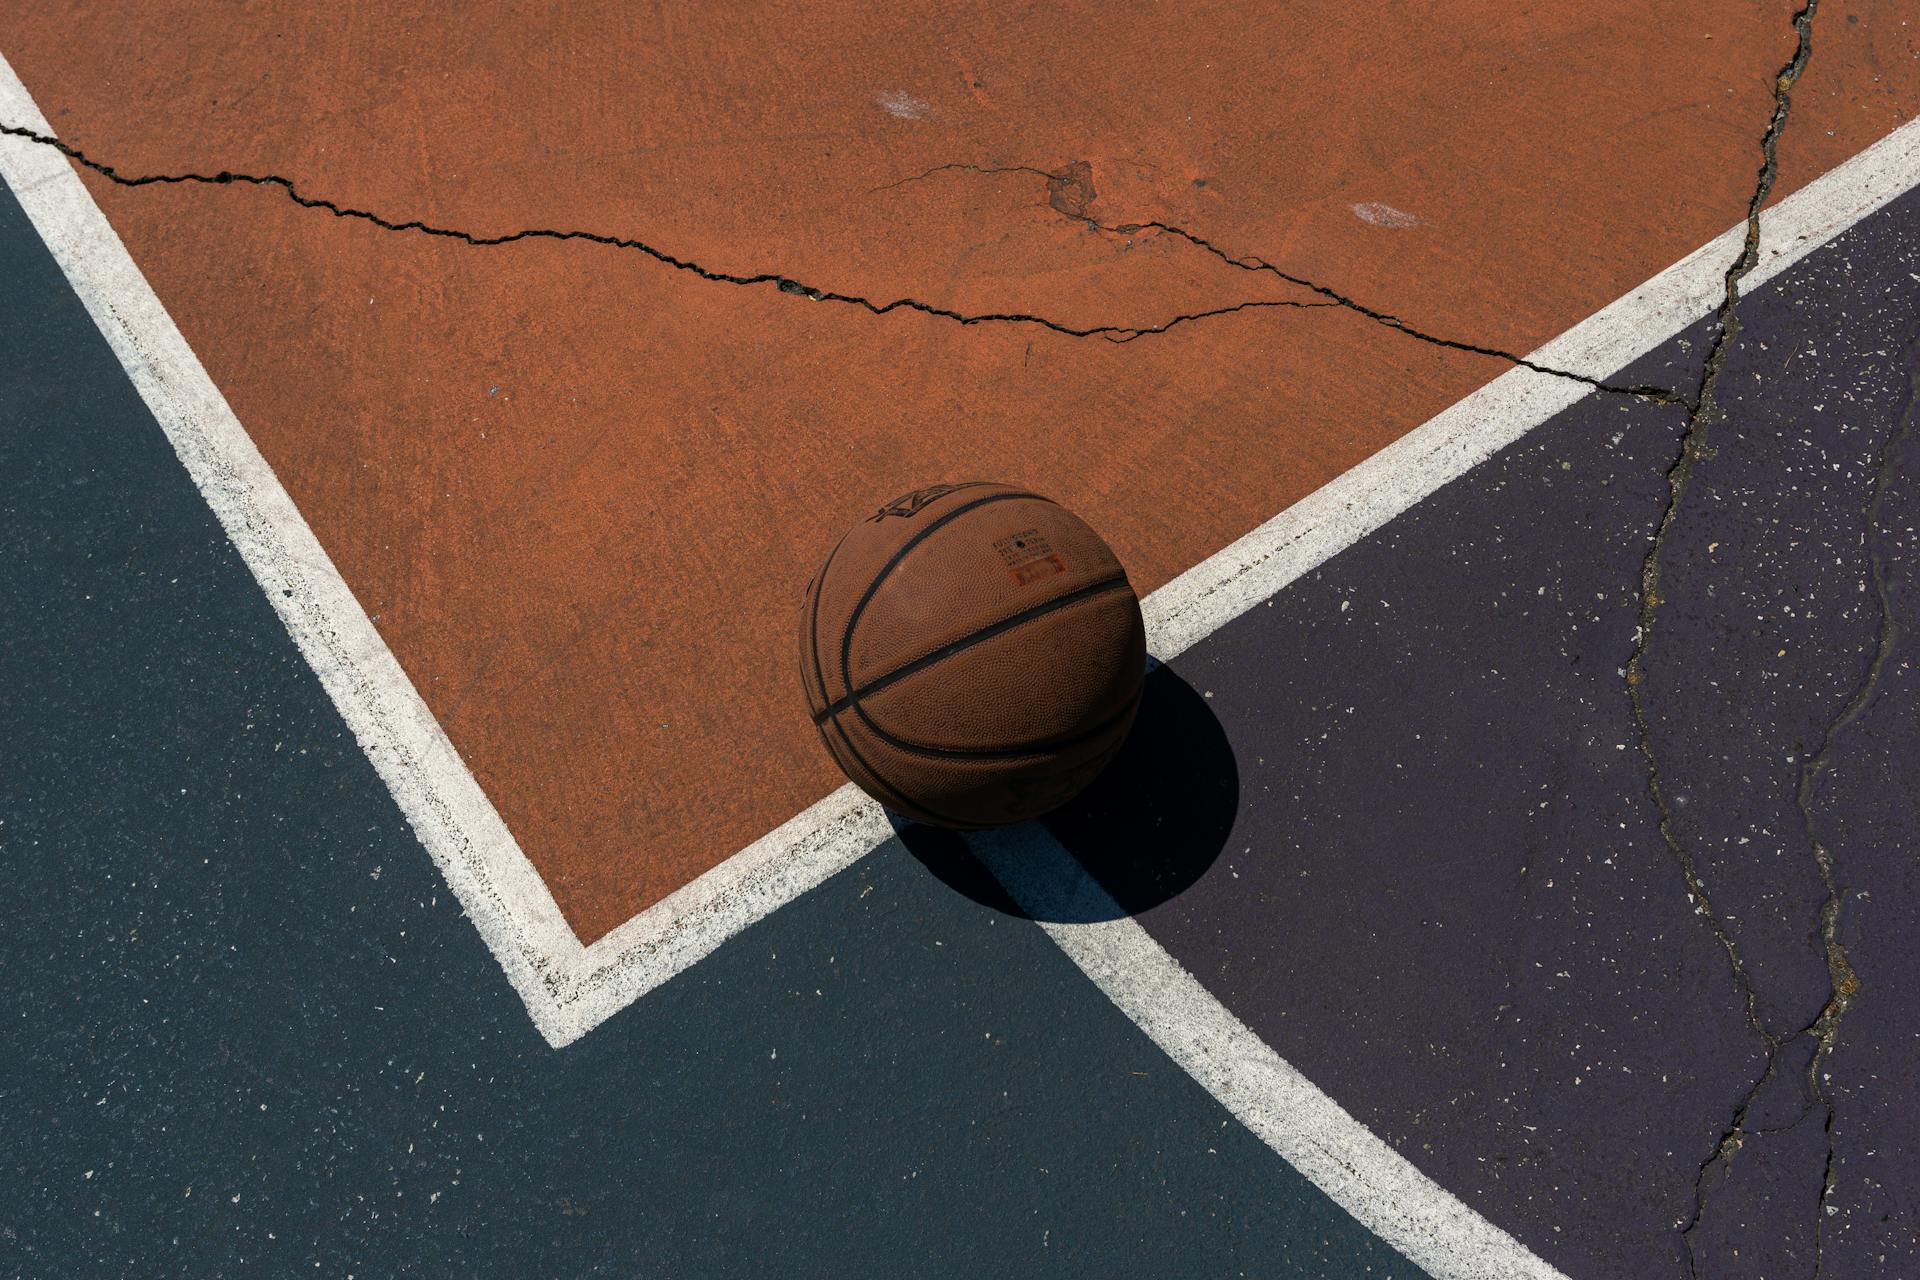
x=902, y=105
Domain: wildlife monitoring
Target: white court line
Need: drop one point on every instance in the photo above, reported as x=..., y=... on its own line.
x=569, y=988
x=1346, y=509
x=1363, y=1175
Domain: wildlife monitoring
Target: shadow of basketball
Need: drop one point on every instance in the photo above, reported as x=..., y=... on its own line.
x=1146, y=829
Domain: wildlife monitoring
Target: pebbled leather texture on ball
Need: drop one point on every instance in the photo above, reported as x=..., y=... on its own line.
x=972, y=654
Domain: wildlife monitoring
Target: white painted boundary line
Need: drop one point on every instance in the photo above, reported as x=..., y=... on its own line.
x=1363, y=1175
x=569, y=989
x=1334, y=517
x=499, y=888
x=1380, y=1188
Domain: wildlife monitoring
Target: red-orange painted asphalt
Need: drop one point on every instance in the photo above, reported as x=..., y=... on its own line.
x=581, y=491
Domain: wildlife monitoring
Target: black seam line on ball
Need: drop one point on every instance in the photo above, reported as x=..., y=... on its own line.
x=813, y=620
x=1041, y=610
x=853, y=619
x=896, y=799
x=1047, y=747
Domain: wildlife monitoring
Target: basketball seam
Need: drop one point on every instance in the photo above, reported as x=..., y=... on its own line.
x=896, y=801
x=999, y=627
x=900, y=802
x=893, y=562
x=813, y=619
x=820, y=678
x=846, y=639
x=949, y=489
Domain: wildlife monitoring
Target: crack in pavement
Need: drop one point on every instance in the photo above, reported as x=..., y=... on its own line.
x=786, y=284
x=1702, y=412
x=1249, y=262
x=1843, y=983
x=1048, y=174
x=1066, y=179
x=1069, y=188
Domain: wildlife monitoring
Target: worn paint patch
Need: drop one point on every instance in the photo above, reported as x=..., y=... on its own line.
x=1384, y=215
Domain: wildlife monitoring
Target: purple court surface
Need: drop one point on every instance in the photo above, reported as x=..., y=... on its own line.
x=1447, y=893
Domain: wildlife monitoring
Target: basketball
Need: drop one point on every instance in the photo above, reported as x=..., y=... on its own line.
x=973, y=654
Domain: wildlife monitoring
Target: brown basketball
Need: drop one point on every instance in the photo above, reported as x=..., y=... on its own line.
x=972, y=653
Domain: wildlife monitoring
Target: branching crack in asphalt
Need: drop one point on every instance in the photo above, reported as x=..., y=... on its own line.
x=1702, y=412
x=788, y=285
x=1843, y=983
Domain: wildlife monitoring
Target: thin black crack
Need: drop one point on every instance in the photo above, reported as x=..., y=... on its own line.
x=1693, y=447
x=1070, y=190
x=786, y=284
x=1843, y=983
x=1049, y=175
x=1734, y=1136
x=1731, y=1139
x=1249, y=262
x=1252, y=262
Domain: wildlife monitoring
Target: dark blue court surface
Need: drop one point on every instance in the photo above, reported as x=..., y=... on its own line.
x=1447, y=898
x=249, y=1032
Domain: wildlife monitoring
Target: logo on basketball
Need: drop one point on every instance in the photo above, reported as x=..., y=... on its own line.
x=913, y=503
x=1029, y=556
